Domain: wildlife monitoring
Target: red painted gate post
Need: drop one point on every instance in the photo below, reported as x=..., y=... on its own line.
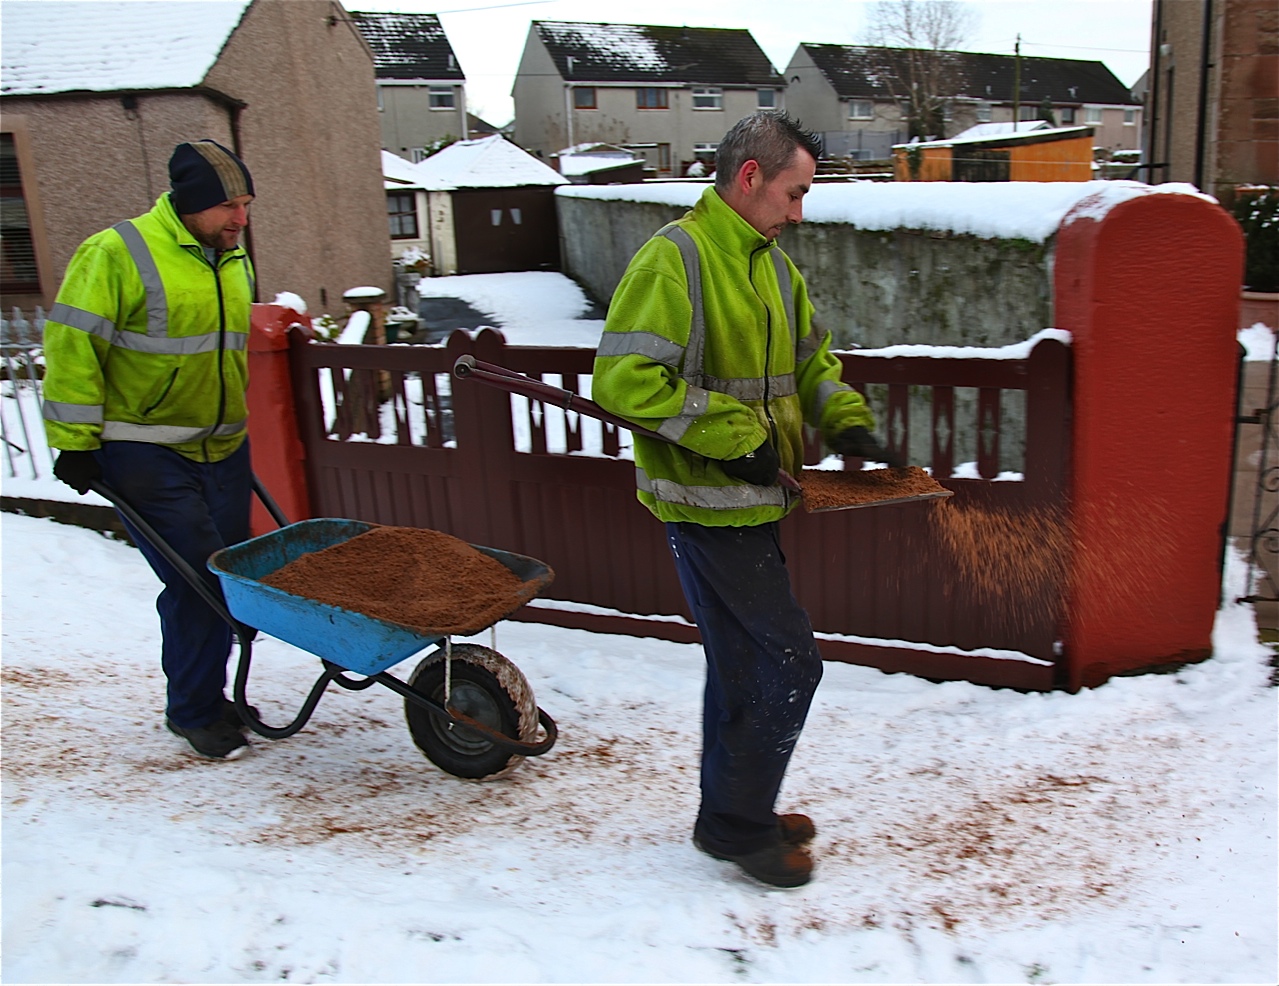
x=278, y=453
x=1147, y=283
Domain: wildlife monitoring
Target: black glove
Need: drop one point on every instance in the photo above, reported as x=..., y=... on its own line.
x=77, y=470
x=759, y=466
x=860, y=443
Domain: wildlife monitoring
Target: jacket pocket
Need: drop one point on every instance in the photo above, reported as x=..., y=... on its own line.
x=164, y=391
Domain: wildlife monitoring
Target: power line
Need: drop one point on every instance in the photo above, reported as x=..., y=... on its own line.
x=496, y=6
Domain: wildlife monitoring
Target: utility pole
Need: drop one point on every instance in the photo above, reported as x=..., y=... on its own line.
x=1017, y=83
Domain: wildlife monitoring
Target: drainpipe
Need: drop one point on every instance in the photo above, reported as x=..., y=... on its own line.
x=568, y=110
x=1152, y=114
x=234, y=111
x=1201, y=127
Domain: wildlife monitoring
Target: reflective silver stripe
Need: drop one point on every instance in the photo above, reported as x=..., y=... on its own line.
x=121, y=431
x=825, y=390
x=157, y=304
x=737, y=497
x=73, y=414
x=648, y=344
x=696, y=403
x=809, y=345
x=85, y=321
x=181, y=345
x=752, y=388
x=694, y=355
x=787, y=291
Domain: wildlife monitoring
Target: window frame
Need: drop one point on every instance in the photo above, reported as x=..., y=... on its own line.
x=411, y=213
x=713, y=93
x=432, y=92
x=759, y=99
x=28, y=233
x=852, y=109
x=578, y=94
x=660, y=96
x=1093, y=115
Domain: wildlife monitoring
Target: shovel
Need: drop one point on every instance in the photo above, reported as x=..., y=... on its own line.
x=470, y=368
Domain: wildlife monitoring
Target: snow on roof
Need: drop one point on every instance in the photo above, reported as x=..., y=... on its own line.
x=997, y=129
x=1008, y=139
x=399, y=173
x=490, y=162
x=74, y=45
x=1028, y=210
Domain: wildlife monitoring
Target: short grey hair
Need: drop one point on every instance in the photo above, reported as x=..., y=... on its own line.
x=769, y=137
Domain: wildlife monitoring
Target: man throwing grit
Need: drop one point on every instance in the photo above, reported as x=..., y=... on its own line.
x=709, y=342
x=146, y=369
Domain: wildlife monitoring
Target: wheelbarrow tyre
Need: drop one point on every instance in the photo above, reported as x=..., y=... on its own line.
x=488, y=688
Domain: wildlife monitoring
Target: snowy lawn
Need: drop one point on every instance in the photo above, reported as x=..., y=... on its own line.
x=1125, y=834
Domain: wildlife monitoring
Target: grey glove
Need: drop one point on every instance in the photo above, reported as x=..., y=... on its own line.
x=860, y=443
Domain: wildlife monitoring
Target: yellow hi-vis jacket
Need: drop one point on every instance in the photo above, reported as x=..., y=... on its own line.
x=709, y=341
x=148, y=340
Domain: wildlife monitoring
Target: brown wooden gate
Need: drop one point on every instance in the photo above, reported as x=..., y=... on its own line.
x=878, y=586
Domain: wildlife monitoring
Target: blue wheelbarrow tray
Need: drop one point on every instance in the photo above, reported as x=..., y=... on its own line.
x=355, y=641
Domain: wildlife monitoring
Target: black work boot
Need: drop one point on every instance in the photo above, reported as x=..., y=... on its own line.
x=231, y=717
x=218, y=740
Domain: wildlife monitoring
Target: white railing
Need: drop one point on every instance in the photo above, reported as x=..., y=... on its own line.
x=21, y=396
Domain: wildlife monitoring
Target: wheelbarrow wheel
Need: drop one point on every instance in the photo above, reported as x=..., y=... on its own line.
x=485, y=686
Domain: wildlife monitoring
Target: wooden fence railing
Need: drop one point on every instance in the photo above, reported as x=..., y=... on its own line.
x=390, y=437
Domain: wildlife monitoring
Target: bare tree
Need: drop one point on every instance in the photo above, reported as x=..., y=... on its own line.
x=919, y=37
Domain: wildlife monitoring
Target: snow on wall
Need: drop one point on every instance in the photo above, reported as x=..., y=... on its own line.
x=73, y=45
x=992, y=210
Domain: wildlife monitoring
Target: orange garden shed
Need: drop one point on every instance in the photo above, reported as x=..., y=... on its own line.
x=1055, y=154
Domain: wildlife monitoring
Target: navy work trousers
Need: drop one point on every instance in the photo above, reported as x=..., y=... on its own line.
x=762, y=668
x=198, y=508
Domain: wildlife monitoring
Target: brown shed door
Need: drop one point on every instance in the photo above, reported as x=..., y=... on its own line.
x=979, y=165
x=506, y=229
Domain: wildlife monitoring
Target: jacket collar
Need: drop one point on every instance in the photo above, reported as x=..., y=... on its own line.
x=730, y=232
x=167, y=216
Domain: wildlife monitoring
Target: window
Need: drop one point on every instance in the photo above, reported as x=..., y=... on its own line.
x=766, y=99
x=584, y=98
x=517, y=216
x=401, y=213
x=1092, y=114
x=664, y=157
x=1025, y=112
x=495, y=216
x=381, y=99
x=442, y=98
x=1067, y=114
x=18, y=271
x=861, y=109
x=708, y=99
x=705, y=152
x=983, y=113
x=651, y=99
x=1130, y=117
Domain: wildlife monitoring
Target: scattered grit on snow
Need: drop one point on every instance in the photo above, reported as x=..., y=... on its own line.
x=1122, y=835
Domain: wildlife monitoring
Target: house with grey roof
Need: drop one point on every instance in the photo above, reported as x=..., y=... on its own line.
x=94, y=97
x=668, y=93
x=857, y=96
x=421, y=89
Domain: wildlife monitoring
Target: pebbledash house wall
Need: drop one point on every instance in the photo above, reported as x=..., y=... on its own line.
x=870, y=288
x=309, y=137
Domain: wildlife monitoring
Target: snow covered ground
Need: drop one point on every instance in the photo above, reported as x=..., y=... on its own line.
x=1125, y=834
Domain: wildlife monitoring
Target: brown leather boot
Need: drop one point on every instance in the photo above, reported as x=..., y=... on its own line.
x=796, y=829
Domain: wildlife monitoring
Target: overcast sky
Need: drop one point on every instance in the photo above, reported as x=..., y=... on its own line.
x=488, y=35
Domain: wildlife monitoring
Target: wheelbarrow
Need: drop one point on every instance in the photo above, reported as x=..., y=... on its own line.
x=468, y=708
